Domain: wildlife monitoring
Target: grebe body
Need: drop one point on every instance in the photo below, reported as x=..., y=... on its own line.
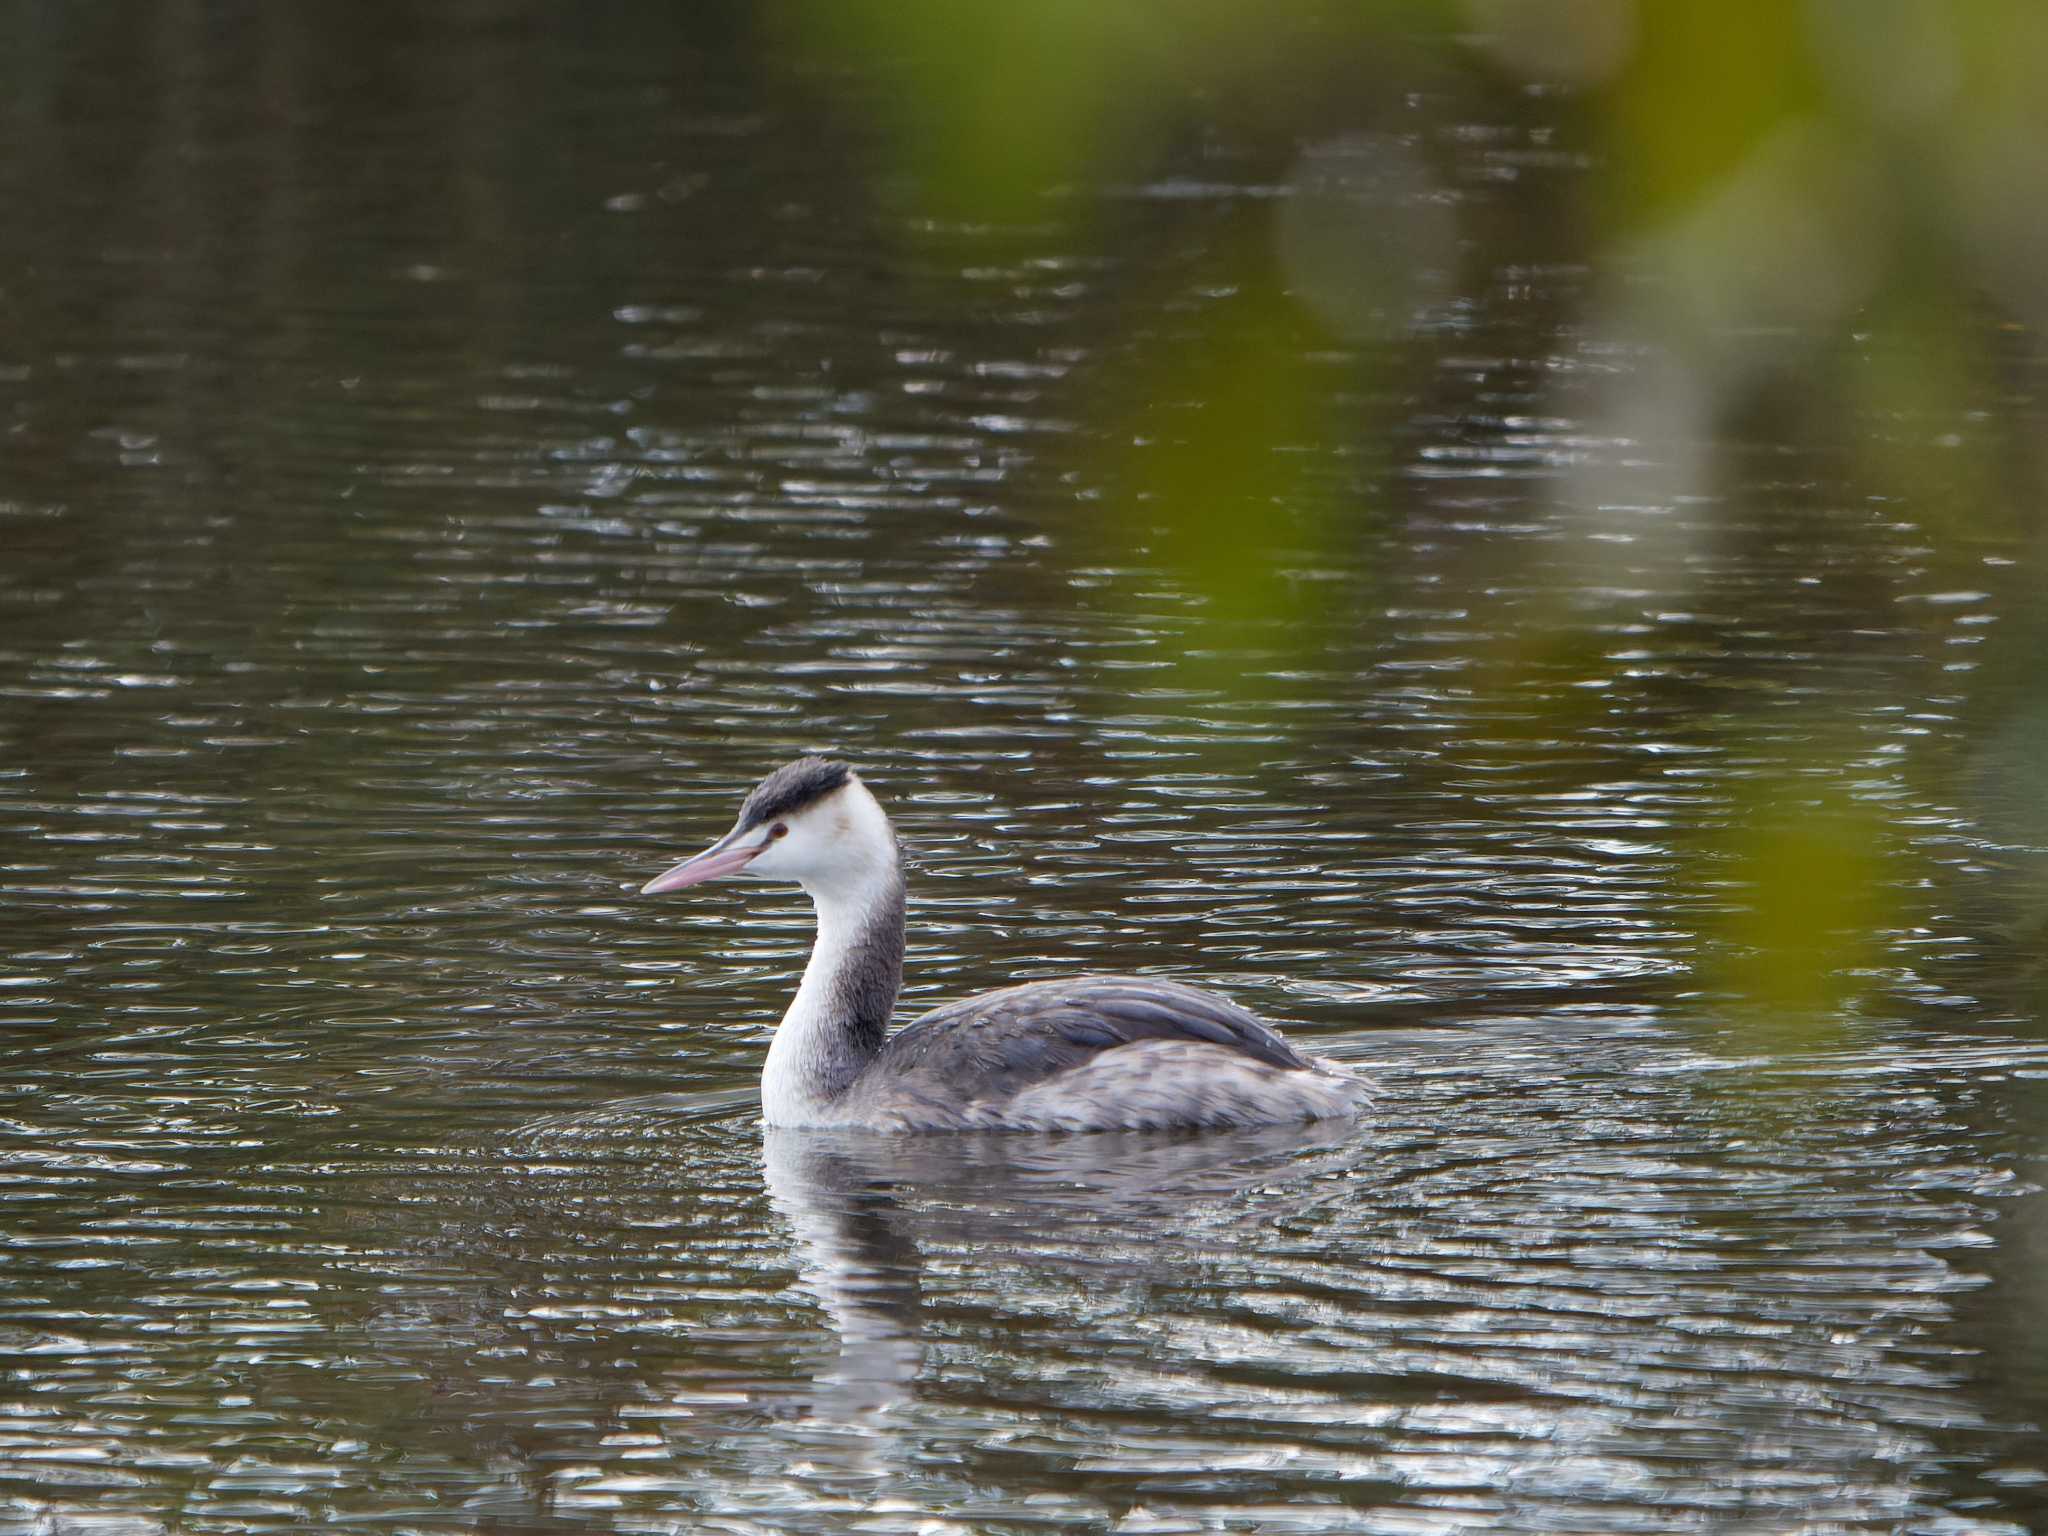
x=1093, y=1053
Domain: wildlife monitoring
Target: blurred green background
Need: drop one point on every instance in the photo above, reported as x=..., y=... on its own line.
x=1806, y=230
x=1658, y=287
x=1293, y=274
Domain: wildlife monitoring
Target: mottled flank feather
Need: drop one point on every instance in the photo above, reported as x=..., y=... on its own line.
x=792, y=787
x=1095, y=1053
x=1158, y=1085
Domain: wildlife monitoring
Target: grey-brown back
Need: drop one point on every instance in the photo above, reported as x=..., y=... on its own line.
x=1000, y=1043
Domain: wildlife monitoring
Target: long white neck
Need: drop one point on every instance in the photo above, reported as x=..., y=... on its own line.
x=840, y=1014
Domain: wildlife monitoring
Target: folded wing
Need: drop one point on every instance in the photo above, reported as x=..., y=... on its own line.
x=1000, y=1043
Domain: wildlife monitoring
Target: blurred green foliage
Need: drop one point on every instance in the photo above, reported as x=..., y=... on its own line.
x=1701, y=90
x=998, y=105
x=1799, y=889
x=1788, y=211
x=1210, y=437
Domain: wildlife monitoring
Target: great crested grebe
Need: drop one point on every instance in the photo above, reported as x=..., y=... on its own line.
x=1096, y=1053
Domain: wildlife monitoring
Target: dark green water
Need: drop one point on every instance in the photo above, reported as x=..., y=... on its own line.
x=443, y=462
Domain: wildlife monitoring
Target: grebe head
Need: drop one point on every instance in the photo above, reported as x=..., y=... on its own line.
x=811, y=822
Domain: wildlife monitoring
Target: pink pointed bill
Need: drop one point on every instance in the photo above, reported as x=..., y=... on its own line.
x=708, y=865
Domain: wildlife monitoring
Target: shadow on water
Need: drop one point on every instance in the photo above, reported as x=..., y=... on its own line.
x=1107, y=1209
x=1533, y=1284
x=1559, y=1275
x=722, y=1320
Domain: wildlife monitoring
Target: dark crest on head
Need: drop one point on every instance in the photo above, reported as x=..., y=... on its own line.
x=792, y=787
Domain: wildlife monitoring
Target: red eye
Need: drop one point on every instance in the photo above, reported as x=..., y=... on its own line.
x=778, y=830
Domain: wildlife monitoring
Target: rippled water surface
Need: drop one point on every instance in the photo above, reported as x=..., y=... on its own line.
x=442, y=466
